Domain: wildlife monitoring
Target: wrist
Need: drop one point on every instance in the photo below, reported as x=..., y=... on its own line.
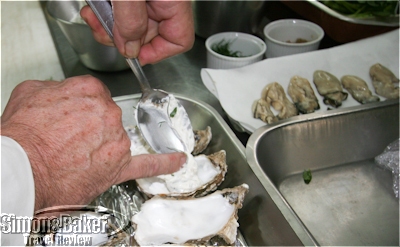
x=29, y=141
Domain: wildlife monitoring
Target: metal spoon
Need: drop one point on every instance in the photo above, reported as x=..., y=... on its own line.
x=161, y=137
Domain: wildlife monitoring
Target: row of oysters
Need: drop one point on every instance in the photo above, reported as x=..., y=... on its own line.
x=329, y=87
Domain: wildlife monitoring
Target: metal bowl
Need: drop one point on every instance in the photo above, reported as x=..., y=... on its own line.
x=91, y=53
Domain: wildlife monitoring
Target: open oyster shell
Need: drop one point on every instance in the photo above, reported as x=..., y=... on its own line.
x=199, y=176
x=192, y=221
x=201, y=140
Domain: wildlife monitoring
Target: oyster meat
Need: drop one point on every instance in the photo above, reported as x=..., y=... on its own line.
x=302, y=95
x=329, y=87
x=262, y=110
x=384, y=81
x=358, y=88
x=198, y=176
x=189, y=221
x=273, y=95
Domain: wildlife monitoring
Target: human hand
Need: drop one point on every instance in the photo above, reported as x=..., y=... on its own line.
x=149, y=30
x=73, y=135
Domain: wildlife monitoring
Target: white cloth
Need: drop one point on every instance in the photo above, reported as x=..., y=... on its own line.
x=17, y=188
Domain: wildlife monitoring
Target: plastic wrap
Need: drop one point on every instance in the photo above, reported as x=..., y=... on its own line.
x=389, y=160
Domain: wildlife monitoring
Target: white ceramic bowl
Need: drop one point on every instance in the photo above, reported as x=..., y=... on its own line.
x=251, y=48
x=281, y=37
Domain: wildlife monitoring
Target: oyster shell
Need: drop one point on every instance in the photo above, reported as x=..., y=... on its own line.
x=201, y=140
x=200, y=175
x=273, y=95
x=302, y=95
x=329, y=87
x=384, y=81
x=190, y=221
x=358, y=88
x=139, y=146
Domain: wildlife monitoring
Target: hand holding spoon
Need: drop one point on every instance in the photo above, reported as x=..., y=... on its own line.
x=152, y=116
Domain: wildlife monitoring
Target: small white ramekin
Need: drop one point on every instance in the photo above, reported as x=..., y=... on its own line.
x=278, y=33
x=251, y=48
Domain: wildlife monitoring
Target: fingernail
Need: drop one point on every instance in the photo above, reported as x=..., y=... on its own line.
x=183, y=159
x=132, y=49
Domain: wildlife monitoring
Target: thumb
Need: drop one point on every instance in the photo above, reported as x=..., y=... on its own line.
x=149, y=165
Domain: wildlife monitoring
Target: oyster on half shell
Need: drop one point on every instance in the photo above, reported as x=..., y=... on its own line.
x=199, y=175
x=190, y=221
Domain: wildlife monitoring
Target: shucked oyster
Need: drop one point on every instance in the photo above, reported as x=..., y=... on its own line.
x=384, y=81
x=199, y=175
x=273, y=95
x=302, y=95
x=358, y=88
x=189, y=221
x=329, y=87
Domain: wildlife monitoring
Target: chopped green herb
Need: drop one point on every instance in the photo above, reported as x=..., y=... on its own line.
x=307, y=176
x=173, y=112
x=223, y=48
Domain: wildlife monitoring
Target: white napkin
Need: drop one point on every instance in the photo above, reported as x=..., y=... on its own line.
x=237, y=89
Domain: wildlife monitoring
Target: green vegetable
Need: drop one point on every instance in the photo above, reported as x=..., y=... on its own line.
x=172, y=114
x=223, y=48
x=307, y=176
x=364, y=9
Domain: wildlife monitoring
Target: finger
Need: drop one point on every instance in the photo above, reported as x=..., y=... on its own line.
x=99, y=33
x=149, y=165
x=130, y=25
x=175, y=32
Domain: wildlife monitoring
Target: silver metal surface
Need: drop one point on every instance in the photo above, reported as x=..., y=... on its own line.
x=79, y=35
x=211, y=17
x=349, y=200
x=261, y=221
x=162, y=139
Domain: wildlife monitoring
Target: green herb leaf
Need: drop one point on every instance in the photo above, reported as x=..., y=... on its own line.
x=172, y=114
x=364, y=9
x=307, y=176
x=223, y=47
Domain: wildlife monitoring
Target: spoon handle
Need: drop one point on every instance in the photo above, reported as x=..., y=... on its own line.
x=103, y=11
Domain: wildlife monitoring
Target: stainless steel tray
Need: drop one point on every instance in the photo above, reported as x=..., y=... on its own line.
x=261, y=221
x=349, y=200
